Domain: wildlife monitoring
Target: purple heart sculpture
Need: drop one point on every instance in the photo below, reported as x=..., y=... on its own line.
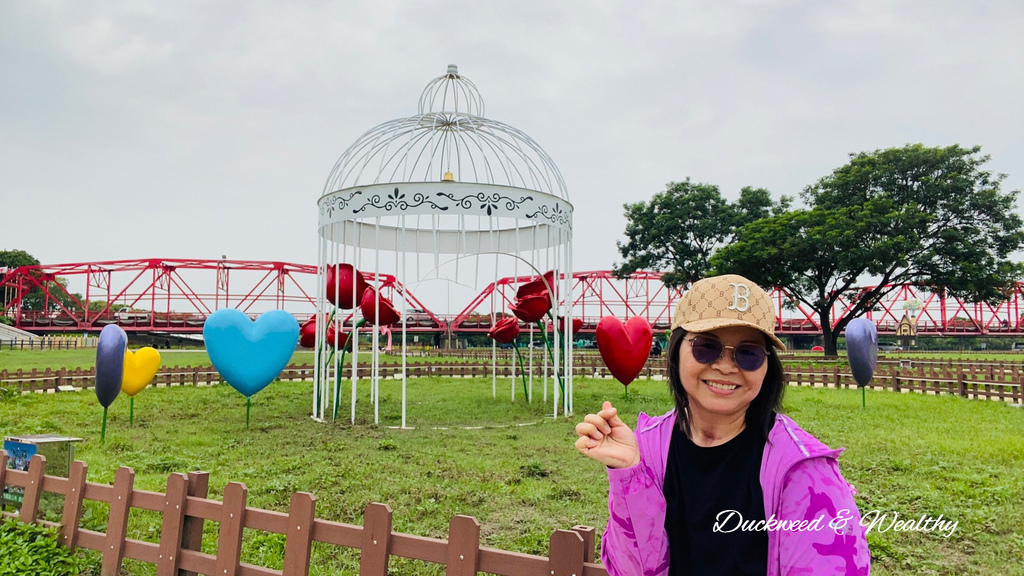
x=110, y=349
x=862, y=349
x=110, y=363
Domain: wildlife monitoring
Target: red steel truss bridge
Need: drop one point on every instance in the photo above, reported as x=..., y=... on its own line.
x=177, y=295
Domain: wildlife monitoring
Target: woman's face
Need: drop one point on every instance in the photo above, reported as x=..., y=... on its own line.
x=721, y=388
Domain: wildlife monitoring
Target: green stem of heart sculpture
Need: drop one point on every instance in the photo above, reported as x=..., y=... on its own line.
x=131, y=412
x=248, y=404
x=551, y=354
x=322, y=344
x=341, y=365
x=103, y=431
x=863, y=402
x=522, y=369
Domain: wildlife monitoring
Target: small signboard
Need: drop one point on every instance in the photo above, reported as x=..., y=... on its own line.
x=58, y=450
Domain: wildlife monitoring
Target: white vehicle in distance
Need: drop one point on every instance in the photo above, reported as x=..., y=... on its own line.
x=127, y=316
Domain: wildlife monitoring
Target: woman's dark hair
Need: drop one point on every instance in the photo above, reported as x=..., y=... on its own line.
x=760, y=411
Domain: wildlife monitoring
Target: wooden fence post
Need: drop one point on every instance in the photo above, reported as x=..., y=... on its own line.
x=298, y=541
x=463, y=546
x=961, y=384
x=192, y=528
x=566, y=553
x=3, y=471
x=73, y=500
x=117, y=524
x=229, y=546
x=587, y=532
x=33, y=490
x=173, y=525
x=376, y=540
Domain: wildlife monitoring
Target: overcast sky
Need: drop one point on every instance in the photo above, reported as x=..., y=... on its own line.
x=195, y=129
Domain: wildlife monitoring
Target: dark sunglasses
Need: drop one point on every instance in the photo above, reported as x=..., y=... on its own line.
x=707, y=350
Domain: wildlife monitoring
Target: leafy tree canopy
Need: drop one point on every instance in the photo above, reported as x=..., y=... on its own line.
x=929, y=216
x=34, y=299
x=11, y=259
x=16, y=258
x=678, y=230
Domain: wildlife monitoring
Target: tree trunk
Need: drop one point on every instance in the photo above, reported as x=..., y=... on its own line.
x=829, y=337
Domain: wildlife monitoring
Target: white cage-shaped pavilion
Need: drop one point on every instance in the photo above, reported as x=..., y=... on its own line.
x=461, y=195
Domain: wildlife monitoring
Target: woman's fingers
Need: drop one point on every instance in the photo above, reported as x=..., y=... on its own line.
x=607, y=439
x=587, y=429
x=611, y=415
x=585, y=443
x=593, y=426
x=598, y=422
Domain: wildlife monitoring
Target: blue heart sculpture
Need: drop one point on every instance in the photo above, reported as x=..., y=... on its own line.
x=250, y=355
x=862, y=349
x=110, y=363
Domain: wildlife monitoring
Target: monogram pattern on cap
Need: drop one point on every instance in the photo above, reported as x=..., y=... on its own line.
x=729, y=297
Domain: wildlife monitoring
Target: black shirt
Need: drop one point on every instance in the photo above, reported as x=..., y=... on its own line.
x=700, y=483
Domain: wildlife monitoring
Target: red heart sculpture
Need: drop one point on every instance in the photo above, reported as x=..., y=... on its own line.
x=624, y=348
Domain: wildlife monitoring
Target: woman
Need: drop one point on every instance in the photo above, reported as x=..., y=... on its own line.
x=723, y=483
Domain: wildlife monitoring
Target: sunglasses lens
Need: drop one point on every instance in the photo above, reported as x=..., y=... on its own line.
x=706, y=350
x=749, y=357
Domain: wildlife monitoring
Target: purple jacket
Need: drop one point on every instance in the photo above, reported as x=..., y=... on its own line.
x=800, y=479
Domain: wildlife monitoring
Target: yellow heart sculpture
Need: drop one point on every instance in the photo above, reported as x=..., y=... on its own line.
x=139, y=369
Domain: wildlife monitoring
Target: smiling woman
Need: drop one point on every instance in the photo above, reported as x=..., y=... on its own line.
x=724, y=452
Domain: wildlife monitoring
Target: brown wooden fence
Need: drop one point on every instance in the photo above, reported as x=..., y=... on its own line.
x=50, y=380
x=981, y=382
x=1000, y=380
x=185, y=508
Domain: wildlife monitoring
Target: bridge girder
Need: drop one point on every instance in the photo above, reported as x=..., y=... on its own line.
x=176, y=295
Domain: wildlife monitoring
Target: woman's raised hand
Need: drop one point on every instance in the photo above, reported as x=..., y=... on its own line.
x=606, y=438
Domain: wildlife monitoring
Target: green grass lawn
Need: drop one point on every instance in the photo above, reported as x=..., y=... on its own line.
x=906, y=453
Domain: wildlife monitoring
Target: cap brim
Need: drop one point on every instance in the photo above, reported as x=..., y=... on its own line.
x=709, y=324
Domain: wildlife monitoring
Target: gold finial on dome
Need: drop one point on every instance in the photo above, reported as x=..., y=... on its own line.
x=448, y=177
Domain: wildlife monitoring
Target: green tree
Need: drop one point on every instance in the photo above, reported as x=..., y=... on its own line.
x=34, y=299
x=59, y=296
x=755, y=204
x=928, y=216
x=678, y=230
x=16, y=258
x=100, y=305
x=9, y=260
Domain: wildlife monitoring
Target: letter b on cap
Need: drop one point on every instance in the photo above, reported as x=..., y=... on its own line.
x=740, y=297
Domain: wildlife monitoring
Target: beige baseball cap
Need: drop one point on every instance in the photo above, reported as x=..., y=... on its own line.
x=724, y=301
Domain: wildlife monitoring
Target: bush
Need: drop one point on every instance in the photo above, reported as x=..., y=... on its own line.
x=7, y=320
x=32, y=549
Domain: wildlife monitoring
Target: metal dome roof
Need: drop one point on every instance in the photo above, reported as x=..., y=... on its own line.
x=449, y=139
